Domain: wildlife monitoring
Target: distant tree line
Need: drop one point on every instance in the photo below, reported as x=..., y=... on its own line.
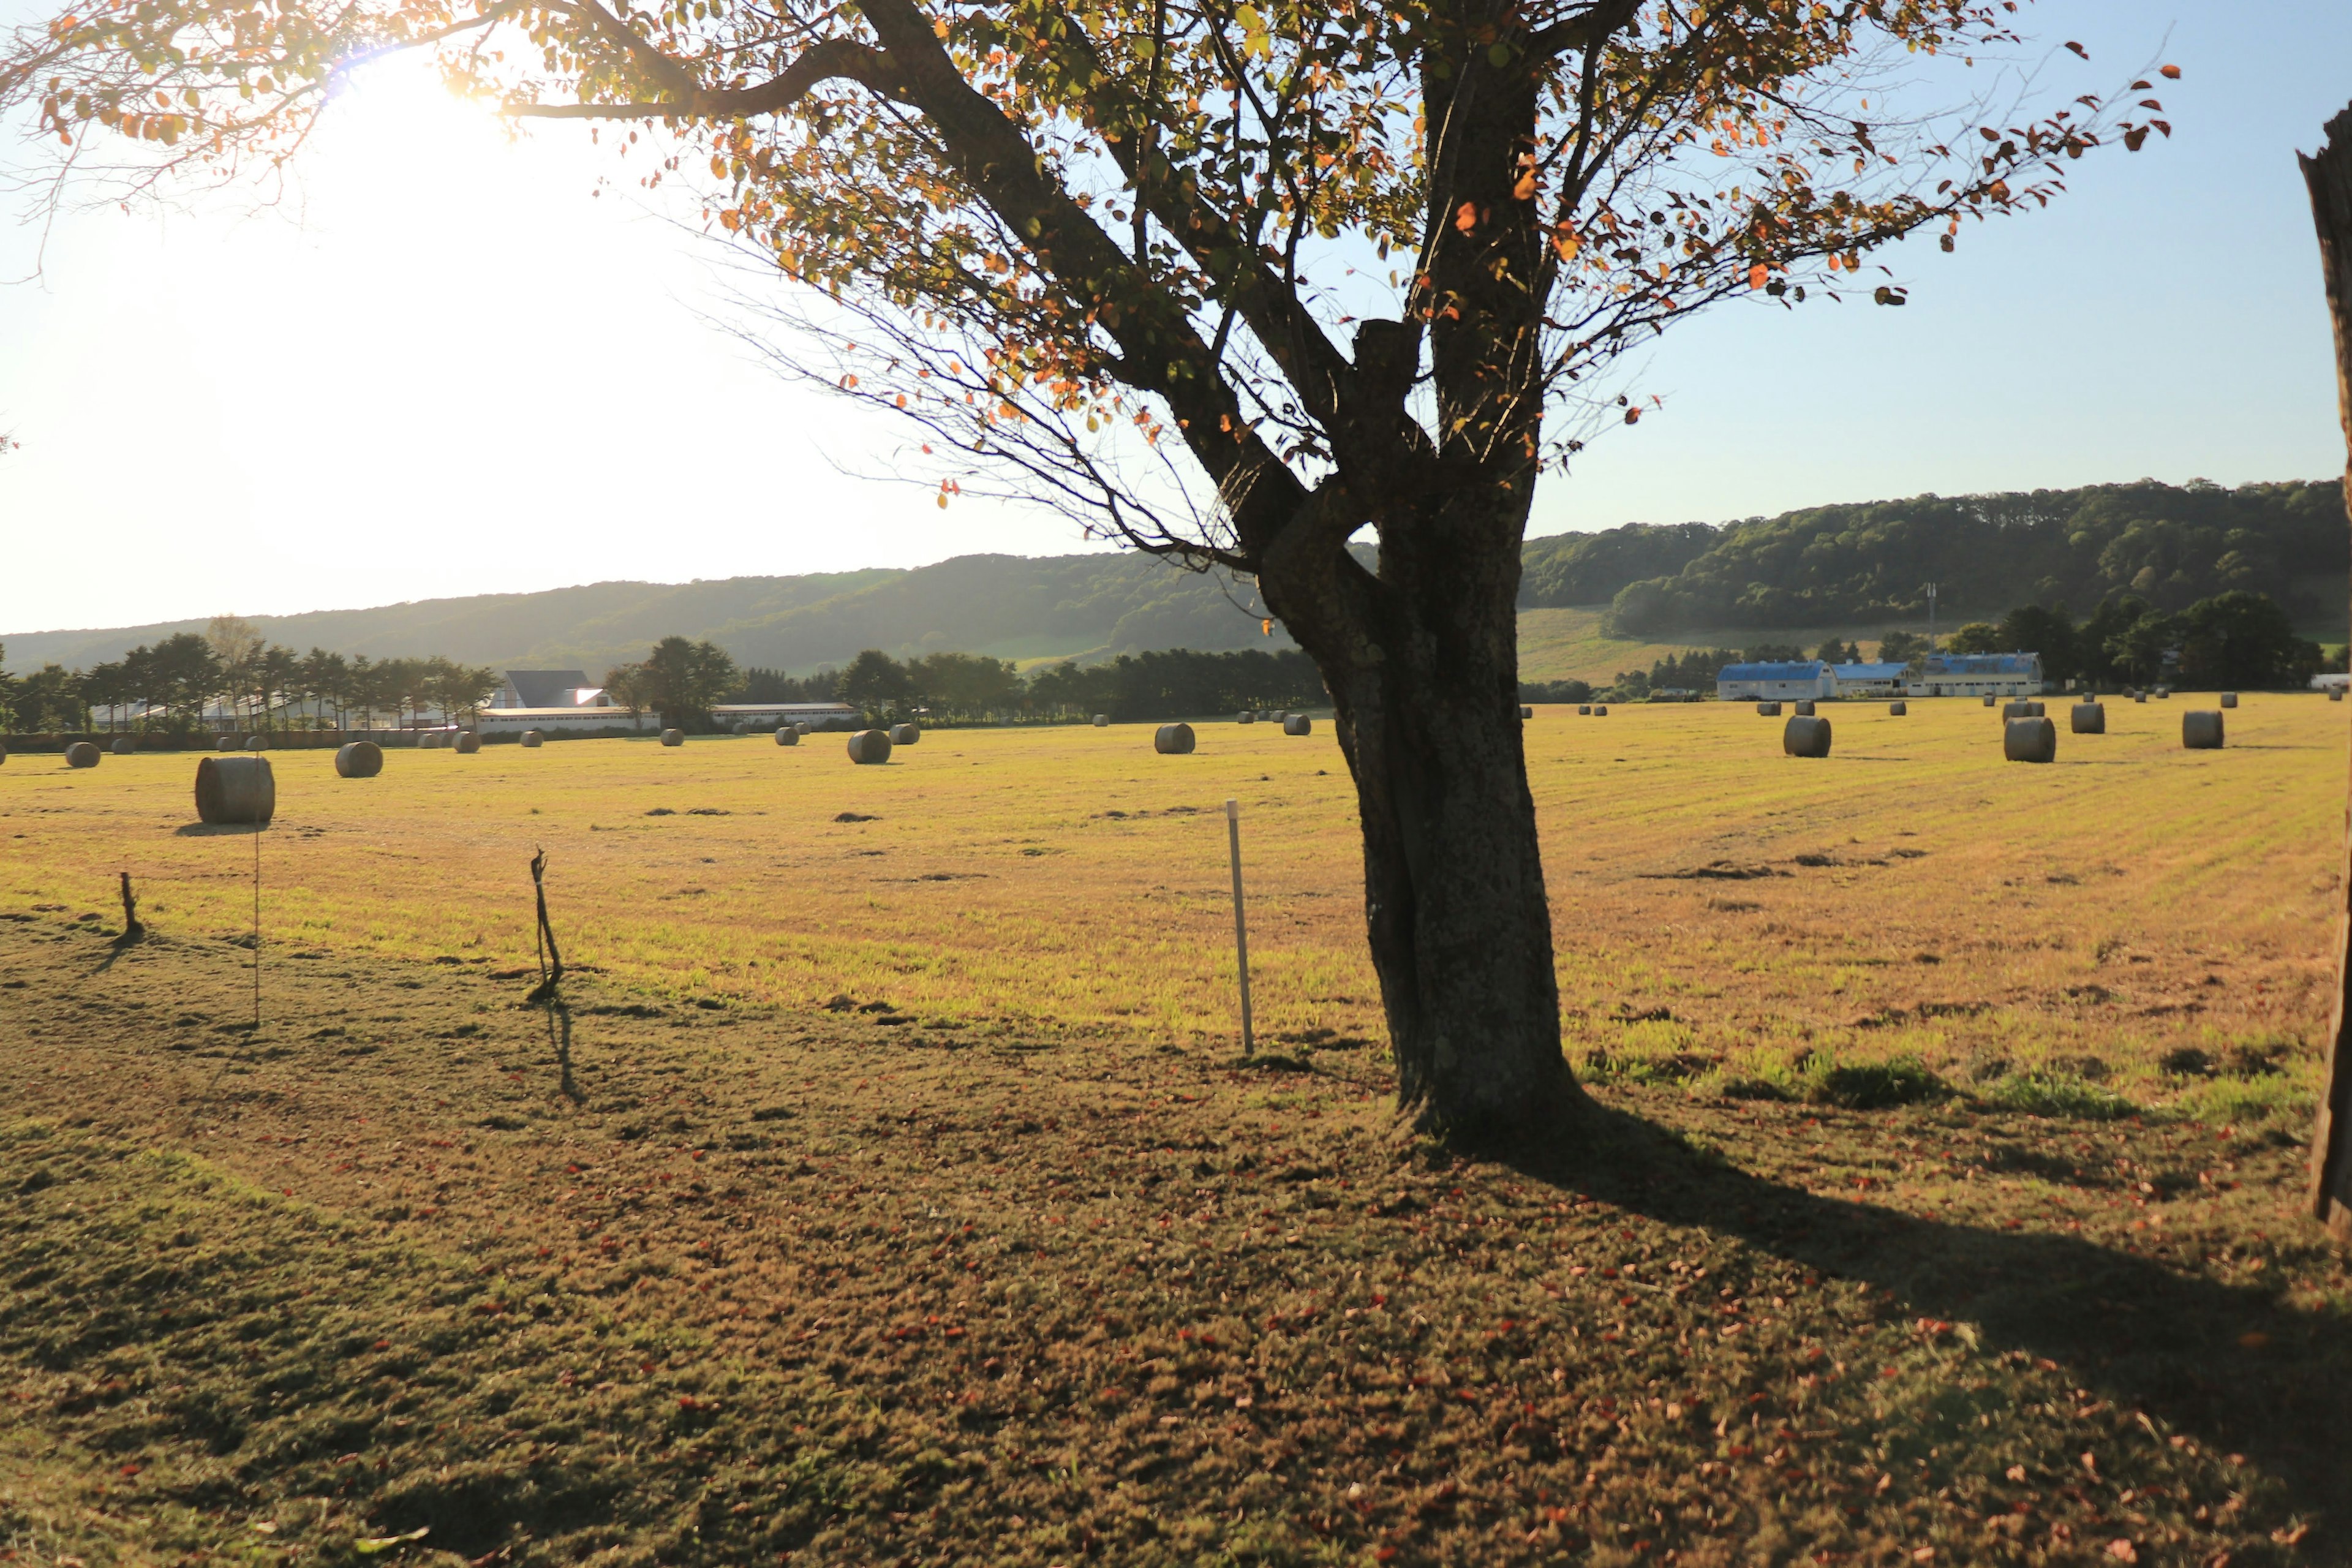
x=1177, y=683
x=2170, y=546
x=2233, y=639
x=684, y=681
x=230, y=670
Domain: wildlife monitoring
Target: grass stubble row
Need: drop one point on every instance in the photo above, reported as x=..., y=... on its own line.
x=1000, y=1273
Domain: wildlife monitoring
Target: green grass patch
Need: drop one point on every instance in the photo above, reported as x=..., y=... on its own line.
x=2059, y=1094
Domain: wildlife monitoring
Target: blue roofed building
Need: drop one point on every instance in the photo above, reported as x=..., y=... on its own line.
x=1765, y=683
x=1977, y=675
x=1869, y=679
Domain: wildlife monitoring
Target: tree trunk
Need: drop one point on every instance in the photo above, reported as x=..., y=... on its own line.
x=1421, y=662
x=2329, y=175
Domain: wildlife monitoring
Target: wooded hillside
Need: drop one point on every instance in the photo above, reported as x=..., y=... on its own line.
x=2170, y=545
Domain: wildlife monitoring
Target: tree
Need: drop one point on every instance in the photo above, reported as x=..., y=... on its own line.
x=107, y=686
x=49, y=702
x=687, y=677
x=2329, y=178
x=180, y=675
x=1902, y=647
x=873, y=680
x=2243, y=639
x=1976, y=637
x=2030, y=628
x=1125, y=259
x=463, y=689
x=2142, y=643
x=971, y=685
x=631, y=686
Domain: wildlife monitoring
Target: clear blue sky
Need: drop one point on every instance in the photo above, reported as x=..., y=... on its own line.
x=435, y=382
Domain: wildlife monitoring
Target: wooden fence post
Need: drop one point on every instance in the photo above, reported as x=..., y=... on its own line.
x=2329, y=175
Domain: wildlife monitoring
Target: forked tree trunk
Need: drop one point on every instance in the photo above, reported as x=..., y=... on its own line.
x=1422, y=662
x=2329, y=176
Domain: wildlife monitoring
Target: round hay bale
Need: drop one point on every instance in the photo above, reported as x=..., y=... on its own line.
x=1526, y=711
x=122, y=746
x=223, y=742
x=235, y=790
x=788, y=736
x=1806, y=736
x=1584, y=708
x=2201, y=730
x=2026, y=739
x=358, y=759
x=1898, y=708
x=81, y=754
x=533, y=739
x=1102, y=720
x=1246, y=717
x=2164, y=694
x=4, y=754
x=257, y=743
x=1297, y=724
x=2229, y=700
x=905, y=734
x=1173, y=740
x=2090, y=719
x=673, y=736
x=1768, y=709
x=2336, y=694
x=1805, y=709
x=1987, y=701
x=869, y=746
x=469, y=743
x=1600, y=710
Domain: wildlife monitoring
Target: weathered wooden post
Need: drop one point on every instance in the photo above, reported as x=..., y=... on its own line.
x=1241, y=925
x=2329, y=175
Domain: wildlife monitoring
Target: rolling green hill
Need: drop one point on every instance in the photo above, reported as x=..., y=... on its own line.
x=1008, y=607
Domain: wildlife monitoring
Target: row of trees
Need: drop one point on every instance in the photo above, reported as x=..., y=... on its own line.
x=2233, y=639
x=231, y=671
x=683, y=680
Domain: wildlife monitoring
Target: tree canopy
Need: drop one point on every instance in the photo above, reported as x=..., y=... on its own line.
x=1064, y=224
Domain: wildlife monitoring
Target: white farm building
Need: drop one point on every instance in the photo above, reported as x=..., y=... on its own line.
x=1938, y=674
x=2009, y=674
x=1767, y=682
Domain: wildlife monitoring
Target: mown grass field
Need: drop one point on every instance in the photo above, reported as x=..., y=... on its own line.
x=1905, y=1229
x=1723, y=914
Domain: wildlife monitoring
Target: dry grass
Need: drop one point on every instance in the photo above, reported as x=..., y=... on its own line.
x=1728, y=918
x=726, y=1285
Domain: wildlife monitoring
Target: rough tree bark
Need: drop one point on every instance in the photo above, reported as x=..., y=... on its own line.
x=2329, y=175
x=1422, y=656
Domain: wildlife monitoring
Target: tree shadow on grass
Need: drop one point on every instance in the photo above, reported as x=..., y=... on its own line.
x=2233, y=1366
x=217, y=829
